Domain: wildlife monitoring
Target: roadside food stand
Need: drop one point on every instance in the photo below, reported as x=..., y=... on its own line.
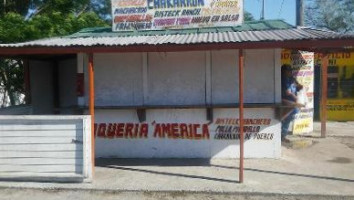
x=212, y=92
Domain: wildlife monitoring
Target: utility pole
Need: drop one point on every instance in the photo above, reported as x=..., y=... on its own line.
x=299, y=13
x=263, y=8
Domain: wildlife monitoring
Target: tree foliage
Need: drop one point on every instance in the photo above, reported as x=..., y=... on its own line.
x=248, y=16
x=335, y=15
x=17, y=6
x=102, y=8
x=28, y=20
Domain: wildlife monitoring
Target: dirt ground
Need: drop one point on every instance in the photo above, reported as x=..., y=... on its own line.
x=26, y=194
x=348, y=141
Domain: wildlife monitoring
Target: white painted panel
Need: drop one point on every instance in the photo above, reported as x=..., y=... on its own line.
x=41, y=133
x=259, y=76
x=208, y=78
x=183, y=78
x=40, y=140
x=40, y=154
x=254, y=147
x=176, y=78
x=277, y=75
x=118, y=79
x=153, y=146
x=145, y=77
x=40, y=161
x=224, y=76
x=41, y=168
x=41, y=147
x=20, y=127
x=87, y=150
x=33, y=145
x=62, y=177
x=44, y=176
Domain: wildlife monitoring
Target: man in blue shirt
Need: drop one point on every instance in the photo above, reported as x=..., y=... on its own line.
x=289, y=87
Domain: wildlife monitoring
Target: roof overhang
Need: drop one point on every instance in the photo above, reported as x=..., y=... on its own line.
x=256, y=35
x=309, y=45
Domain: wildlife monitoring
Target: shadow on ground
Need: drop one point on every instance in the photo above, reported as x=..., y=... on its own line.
x=129, y=164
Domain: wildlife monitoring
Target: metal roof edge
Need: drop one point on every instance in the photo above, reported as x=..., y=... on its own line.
x=247, y=26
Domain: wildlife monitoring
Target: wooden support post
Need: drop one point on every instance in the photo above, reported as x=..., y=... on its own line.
x=240, y=75
x=92, y=109
x=324, y=89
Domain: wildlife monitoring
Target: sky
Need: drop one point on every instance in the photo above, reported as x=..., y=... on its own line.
x=273, y=9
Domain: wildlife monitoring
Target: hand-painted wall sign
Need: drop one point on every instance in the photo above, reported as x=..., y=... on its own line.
x=128, y=15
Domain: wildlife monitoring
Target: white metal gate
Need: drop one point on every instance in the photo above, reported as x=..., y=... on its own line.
x=45, y=148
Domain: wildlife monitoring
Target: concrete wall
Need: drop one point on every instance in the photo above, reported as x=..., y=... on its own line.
x=176, y=78
x=224, y=75
x=259, y=76
x=115, y=139
x=118, y=79
x=46, y=148
x=184, y=78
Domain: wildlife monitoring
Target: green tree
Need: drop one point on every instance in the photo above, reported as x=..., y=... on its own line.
x=41, y=19
x=17, y=6
x=335, y=15
x=103, y=8
x=248, y=16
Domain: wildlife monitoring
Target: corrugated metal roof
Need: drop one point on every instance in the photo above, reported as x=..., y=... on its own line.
x=260, y=31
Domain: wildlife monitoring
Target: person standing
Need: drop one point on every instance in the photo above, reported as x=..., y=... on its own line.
x=290, y=88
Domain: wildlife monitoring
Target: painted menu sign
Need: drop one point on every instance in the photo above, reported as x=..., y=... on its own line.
x=302, y=64
x=128, y=15
x=221, y=129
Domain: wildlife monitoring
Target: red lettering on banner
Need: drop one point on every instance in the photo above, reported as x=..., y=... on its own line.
x=158, y=131
x=135, y=131
x=144, y=129
x=174, y=130
x=120, y=130
x=166, y=130
x=101, y=130
x=195, y=131
x=111, y=130
x=184, y=130
x=95, y=129
x=128, y=130
x=190, y=134
x=206, y=131
x=133, y=18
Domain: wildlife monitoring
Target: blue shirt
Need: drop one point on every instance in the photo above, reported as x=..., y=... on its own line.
x=288, y=84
